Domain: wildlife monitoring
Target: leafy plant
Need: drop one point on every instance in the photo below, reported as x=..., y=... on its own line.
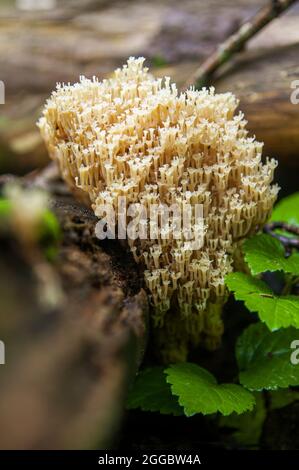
x=265, y=253
x=277, y=311
x=198, y=391
x=263, y=350
x=151, y=392
x=187, y=388
x=264, y=358
x=286, y=210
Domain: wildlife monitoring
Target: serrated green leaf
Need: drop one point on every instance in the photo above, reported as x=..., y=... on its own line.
x=199, y=392
x=151, y=392
x=247, y=426
x=287, y=210
x=264, y=358
x=276, y=311
x=265, y=253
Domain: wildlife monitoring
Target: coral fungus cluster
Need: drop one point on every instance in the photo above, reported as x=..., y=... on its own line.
x=135, y=136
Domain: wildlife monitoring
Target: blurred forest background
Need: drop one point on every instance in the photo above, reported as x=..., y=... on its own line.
x=47, y=41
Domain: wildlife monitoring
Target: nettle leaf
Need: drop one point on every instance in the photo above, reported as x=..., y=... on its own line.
x=151, y=392
x=264, y=358
x=199, y=392
x=287, y=210
x=265, y=253
x=276, y=311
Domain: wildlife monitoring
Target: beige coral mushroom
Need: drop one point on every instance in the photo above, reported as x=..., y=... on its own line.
x=136, y=136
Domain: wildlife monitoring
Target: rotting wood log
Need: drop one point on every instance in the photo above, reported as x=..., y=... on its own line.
x=74, y=334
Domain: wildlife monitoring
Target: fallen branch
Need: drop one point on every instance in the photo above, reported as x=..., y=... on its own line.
x=237, y=41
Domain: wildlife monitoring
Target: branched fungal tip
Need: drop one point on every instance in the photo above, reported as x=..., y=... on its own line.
x=136, y=136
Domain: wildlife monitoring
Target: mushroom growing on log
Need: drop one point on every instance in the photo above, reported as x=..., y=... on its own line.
x=134, y=137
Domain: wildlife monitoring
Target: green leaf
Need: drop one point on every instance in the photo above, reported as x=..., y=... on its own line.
x=151, y=392
x=276, y=311
x=198, y=391
x=265, y=253
x=247, y=426
x=264, y=358
x=287, y=210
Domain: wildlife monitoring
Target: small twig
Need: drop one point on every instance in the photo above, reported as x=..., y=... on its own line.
x=287, y=242
x=236, y=41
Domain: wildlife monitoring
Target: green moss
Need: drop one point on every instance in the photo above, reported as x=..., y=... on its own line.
x=159, y=61
x=49, y=234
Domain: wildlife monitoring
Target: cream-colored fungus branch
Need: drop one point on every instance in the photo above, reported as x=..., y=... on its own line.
x=136, y=136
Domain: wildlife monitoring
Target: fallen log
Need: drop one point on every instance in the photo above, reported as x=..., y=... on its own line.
x=74, y=333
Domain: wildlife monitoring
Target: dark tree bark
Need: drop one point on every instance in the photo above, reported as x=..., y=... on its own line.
x=74, y=334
